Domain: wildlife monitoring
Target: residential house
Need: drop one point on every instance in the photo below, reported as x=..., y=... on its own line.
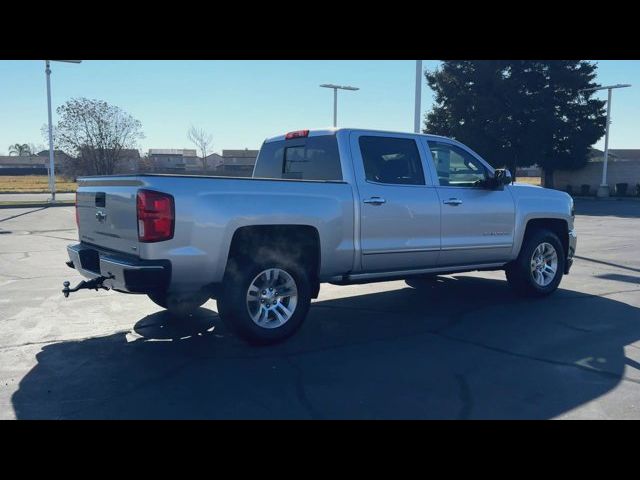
x=172, y=160
x=214, y=161
x=230, y=163
x=31, y=164
x=237, y=163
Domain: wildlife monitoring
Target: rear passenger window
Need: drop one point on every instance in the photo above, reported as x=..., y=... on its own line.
x=313, y=158
x=391, y=160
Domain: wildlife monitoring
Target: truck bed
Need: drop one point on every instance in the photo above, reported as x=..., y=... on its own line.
x=208, y=211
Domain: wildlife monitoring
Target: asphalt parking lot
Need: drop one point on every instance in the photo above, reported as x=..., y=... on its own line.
x=462, y=347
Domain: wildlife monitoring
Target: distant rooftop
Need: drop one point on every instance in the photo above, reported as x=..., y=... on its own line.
x=246, y=153
x=45, y=153
x=23, y=160
x=173, y=151
x=626, y=153
x=615, y=154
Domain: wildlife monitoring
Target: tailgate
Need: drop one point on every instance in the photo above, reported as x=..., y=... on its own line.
x=107, y=216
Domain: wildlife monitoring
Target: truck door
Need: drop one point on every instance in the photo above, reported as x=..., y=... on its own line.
x=477, y=223
x=399, y=208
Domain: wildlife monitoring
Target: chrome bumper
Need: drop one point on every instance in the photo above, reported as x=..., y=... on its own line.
x=124, y=273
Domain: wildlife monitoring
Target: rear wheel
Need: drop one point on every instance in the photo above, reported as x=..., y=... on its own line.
x=179, y=305
x=159, y=299
x=540, y=265
x=265, y=302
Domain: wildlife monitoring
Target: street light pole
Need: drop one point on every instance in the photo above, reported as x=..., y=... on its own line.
x=416, y=118
x=335, y=108
x=604, y=185
x=52, y=168
x=603, y=189
x=52, y=173
x=335, y=98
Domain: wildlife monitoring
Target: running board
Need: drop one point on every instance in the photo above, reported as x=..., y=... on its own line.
x=401, y=274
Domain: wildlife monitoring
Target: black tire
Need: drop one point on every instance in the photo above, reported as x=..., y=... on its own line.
x=159, y=299
x=422, y=281
x=221, y=306
x=179, y=306
x=233, y=308
x=519, y=272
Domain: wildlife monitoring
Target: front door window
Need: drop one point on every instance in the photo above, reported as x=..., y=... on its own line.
x=456, y=167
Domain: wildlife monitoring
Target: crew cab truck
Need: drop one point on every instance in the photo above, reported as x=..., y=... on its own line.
x=341, y=206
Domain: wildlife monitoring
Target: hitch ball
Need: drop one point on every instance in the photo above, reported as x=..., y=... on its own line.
x=93, y=284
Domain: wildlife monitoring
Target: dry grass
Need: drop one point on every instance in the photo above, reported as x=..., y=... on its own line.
x=34, y=184
x=531, y=180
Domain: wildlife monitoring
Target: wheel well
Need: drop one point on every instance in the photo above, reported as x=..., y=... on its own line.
x=556, y=225
x=299, y=243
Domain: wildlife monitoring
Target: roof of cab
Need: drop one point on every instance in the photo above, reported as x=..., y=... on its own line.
x=332, y=131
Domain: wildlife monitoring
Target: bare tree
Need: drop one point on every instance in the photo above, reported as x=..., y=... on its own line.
x=97, y=133
x=202, y=140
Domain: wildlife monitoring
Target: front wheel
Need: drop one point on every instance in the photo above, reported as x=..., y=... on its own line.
x=428, y=280
x=265, y=302
x=539, y=268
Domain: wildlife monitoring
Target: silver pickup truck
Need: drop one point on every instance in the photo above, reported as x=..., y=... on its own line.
x=342, y=206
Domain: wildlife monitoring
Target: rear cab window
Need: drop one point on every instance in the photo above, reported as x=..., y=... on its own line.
x=310, y=158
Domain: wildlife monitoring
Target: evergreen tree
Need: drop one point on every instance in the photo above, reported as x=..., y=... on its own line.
x=517, y=113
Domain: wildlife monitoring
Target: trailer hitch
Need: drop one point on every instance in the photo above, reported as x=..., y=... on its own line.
x=93, y=284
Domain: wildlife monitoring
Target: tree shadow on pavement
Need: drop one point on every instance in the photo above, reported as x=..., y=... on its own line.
x=625, y=208
x=458, y=347
x=617, y=277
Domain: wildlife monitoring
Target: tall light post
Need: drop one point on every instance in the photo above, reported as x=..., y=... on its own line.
x=418, y=107
x=335, y=98
x=603, y=189
x=52, y=170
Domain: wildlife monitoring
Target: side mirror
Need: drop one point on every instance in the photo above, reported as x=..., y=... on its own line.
x=501, y=177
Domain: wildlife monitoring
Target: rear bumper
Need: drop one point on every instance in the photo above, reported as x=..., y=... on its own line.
x=573, y=242
x=124, y=273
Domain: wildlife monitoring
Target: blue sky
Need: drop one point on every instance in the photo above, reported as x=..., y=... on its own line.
x=243, y=102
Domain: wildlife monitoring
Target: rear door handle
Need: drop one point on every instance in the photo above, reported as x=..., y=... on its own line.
x=453, y=201
x=375, y=201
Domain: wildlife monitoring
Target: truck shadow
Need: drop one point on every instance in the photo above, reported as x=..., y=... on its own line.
x=460, y=347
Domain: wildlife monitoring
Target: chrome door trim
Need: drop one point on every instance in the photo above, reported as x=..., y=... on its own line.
x=403, y=250
x=475, y=247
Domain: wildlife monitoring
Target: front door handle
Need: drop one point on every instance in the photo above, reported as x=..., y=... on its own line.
x=375, y=201
x=453, y=201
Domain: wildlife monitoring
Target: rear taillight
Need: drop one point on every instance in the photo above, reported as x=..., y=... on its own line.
x=77, y=215
x=156, y=217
